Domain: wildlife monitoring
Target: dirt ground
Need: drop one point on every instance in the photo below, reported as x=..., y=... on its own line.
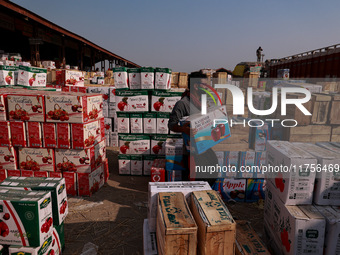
x=112, y=219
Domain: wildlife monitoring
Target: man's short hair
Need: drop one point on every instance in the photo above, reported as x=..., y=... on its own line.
x=196, y=75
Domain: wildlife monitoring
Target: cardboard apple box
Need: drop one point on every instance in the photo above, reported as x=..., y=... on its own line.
x=36, y=159
x=66, y=107
x=5, y=135
x=163, y=78
x=69, y=77
x=34, y=134
x=49, y=135
x=71, y=183
x=327, y=177
x=134, y=78
x=247, y=159
x=136, y=165
x=147, y=163
x=3, y=108
x=147, y=77
x=102, y=127
x=7, y=75
x=150, y=123
x=231, y=189
x=113, y=139
x=54, y=185
x=8, y=158
x=232, y=162
x=95, y=107
x=123, y=123
x=3, y=174
x=158, y=144
x=18, y=133
x=294, y=187
x=120, y=76
x=63, y=135
x=89, y=183
x=85, y=135
x=26, y=107
x=295, y=228
x=19, y=228
x=132, y=101
x=32, y=76
x=162, y=123
x=134, y=144
x=136, y=123
x=124, y=164
x=164, y=101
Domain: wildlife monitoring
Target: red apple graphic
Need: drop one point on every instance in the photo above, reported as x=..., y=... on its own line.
x=32, y=80
x=222, y=129
x=125, y=148
x=216, y=134
x=157, y=147
x=9, y=78
x=157, y=106
x=122, y=104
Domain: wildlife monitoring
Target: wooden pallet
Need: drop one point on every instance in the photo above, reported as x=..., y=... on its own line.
x=334, y=111
x=216, y=226
x=176, y=229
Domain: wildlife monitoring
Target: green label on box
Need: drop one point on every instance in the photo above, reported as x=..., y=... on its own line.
x=119, y=69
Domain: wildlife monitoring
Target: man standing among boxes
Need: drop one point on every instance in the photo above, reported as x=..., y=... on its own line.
x=259, y=53
x=188, y=105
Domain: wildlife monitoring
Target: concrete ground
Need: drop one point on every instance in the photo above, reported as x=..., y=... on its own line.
x=112, y=218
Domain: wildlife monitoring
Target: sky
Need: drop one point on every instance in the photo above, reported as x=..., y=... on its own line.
x=188, y=35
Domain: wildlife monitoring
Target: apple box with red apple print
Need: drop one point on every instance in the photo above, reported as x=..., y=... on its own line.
x=124, y=164
x=95, y=107
x=102, y=127
x=69, y=77
x=134, y=78
x=158, y=144
x=107, y=127
x=164, y=101
x=8, y=158
x=3, y=108
x=34, y=138
x=40, y=174
x=123, y=123
x=5, y=135
x=7, y=75
x=211, y=128
x=66, y=107
x=136, y=123
x=49, y=135
x=26, y=217
x=231, y=189
x=71, y=183
x=296, y=229
x=89, y=183
x=132, y=101
x=114, y=139
x=147, y=163
x=36, y=159
x=147, y=77
x=162, y=123
x=120, y=77
x=292, y=186
x=63, y=135
x=134, y=144
x=157, y=174
x=136, y=165
x=85, y=135
x=150, y=123
x=163, y=78
x=26, y=107
x=32, y=76
x=18, y=133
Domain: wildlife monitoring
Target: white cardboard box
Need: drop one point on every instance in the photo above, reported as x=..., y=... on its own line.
x=327, y=181
x=294, y=187
x=149, y=240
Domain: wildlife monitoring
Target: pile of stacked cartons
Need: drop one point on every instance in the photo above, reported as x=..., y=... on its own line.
x=302, y=174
